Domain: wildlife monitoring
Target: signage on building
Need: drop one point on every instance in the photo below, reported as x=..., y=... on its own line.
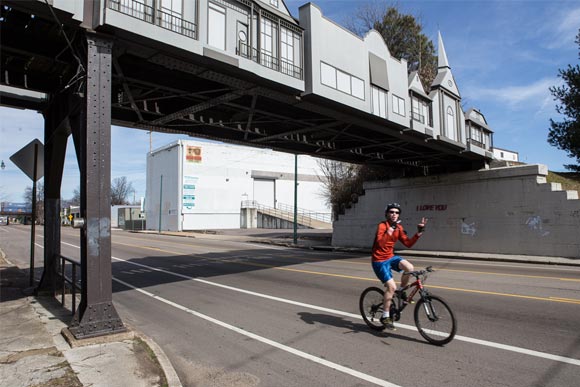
x=193, y=154
x=189, y=185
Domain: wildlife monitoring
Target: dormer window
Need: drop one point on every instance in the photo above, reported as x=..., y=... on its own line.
x=420, y=110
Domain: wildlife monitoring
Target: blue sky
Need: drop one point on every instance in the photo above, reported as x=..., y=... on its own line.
x=504, y=55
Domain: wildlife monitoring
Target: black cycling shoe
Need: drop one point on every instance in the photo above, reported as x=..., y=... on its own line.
x=388, y=323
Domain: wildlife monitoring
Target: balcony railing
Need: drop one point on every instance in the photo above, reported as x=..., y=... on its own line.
x=419, y=117
x=477, y=143
x=149, y=14
x=267, y=60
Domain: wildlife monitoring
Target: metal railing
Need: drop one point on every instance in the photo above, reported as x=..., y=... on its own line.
x=71, y=283
x=151, y=15
x=284, y=66
x=286, y=211
x=477, y=143
x=418, y=117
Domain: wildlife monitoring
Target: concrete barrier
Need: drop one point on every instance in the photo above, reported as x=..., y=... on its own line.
x=509, y=210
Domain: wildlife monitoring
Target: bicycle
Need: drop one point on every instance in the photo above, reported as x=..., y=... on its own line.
x=434, y=318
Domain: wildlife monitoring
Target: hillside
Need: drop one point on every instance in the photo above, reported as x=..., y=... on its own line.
x=570, y=180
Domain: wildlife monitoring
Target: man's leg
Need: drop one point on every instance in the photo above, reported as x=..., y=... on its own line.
x=405, y=266
x=390, y=287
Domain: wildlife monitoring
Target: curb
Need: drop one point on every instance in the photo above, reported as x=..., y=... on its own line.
x=166, y=365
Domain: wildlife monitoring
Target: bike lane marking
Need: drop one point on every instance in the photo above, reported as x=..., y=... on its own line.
x=486, y=343
x=264, y=340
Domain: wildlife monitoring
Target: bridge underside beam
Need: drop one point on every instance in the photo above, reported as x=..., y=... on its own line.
x=167, y=89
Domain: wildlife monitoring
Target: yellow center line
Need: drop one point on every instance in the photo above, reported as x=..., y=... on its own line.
x=348, y=261
x=509, y=275
x=553, y=299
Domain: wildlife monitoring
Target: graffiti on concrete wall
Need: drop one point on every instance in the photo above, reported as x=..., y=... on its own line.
x=468, y=228
x=432, y=207
x=534, y=224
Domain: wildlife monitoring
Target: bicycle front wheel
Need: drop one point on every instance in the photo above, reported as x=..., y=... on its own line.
x=371, y=307
x=435, y=320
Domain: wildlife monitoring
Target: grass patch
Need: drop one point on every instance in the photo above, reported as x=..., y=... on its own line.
x=154, y=366
x=570, y=181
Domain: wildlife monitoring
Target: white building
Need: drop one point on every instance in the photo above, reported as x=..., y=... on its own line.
x=201, y=185
x=505, y=155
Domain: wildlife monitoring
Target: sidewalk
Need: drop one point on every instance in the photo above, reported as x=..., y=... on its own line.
x=33, y=352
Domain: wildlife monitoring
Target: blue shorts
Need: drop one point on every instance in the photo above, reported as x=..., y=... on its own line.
x=383, y=269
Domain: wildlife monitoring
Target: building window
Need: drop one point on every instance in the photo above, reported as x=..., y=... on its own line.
x=420, y=110
x=170, y=17
x=450, y=123
x=327, y=75
x=342, y=81
x=398, y=105
x=379, y=100
x=268, y=43
x=288, y=41
x=274, y=3
x=357, y=87
x=216, y=26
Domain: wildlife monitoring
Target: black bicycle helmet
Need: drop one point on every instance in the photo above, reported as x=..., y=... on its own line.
x=390, y=206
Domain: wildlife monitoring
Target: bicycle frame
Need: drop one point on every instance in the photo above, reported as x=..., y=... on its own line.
x=398, y=304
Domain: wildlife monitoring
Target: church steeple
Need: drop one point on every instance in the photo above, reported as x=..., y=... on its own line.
x=442, y=59
x=444, y=79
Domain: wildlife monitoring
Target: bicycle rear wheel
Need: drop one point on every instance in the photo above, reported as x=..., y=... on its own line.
x=371, y=307
x=435, y=320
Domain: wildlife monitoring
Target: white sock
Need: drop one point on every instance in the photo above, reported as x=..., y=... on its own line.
x=386, y=313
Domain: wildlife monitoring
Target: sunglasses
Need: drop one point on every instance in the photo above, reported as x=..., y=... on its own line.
x=394, y=212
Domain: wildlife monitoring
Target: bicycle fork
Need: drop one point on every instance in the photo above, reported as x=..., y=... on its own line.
x=430, y=311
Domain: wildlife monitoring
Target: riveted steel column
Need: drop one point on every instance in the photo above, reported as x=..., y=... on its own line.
x=56, y=132
x=96, y=314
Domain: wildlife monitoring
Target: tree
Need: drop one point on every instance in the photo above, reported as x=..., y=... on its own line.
x=343, y=182
x=120, y=189
x=39, y=201
x=402, y=34
x=565, y=135
x=76, y=198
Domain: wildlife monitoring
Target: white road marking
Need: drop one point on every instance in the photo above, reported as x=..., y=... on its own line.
x=304, y=355
x=486, y=343
x=356, y=316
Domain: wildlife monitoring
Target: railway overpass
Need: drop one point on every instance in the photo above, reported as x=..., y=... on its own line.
x=239, y=71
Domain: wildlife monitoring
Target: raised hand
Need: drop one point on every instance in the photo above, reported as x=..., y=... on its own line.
x=421, y=225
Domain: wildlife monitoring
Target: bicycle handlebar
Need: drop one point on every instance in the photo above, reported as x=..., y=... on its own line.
x=418, y=273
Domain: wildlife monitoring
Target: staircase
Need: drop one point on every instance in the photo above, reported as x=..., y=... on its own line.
x=285, y=212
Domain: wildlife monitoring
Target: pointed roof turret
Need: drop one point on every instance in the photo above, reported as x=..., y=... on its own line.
x=444, y=78
x=442, y=61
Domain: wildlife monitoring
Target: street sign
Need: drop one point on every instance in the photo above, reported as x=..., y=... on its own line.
x=24, y=159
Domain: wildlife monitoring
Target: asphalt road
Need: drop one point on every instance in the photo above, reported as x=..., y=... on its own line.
x=242, y=314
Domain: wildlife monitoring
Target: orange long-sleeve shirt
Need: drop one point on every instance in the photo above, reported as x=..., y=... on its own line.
x=383, y=247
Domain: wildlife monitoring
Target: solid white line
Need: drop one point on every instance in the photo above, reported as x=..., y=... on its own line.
x=486, y=343
x=356, y=316
x=264, y=340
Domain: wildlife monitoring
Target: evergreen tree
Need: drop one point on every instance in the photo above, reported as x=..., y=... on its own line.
x=565, y=135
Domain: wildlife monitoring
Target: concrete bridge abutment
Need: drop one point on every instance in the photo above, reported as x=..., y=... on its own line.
x=511, y=210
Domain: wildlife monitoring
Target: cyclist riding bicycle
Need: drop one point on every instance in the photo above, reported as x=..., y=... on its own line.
x=384, y=259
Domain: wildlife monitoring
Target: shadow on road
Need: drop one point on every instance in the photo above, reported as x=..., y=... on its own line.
x=340, y=322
